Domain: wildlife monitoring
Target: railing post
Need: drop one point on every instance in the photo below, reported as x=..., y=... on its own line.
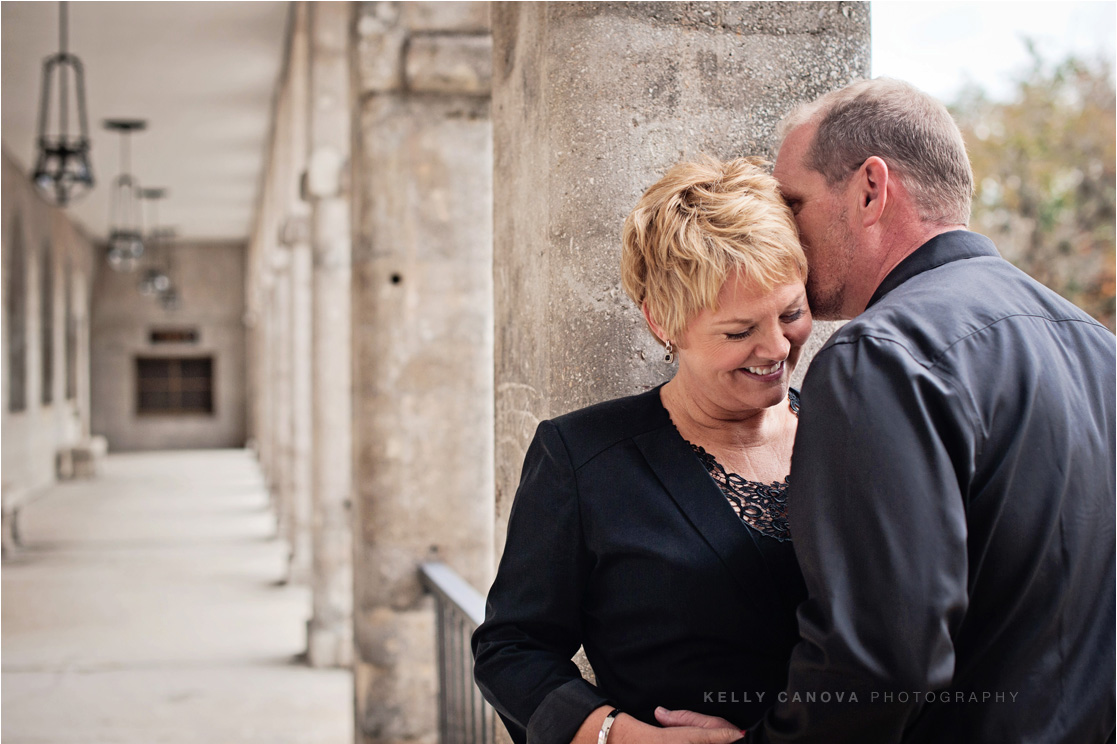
x=463, y=714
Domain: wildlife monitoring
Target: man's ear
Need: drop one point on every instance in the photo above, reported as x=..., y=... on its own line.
x=872, y=190
x=652, y=324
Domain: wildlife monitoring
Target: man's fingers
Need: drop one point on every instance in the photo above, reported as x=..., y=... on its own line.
x=717, y=736
x=673, y=718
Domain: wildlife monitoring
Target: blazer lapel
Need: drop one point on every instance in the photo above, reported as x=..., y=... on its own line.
x=705, y=506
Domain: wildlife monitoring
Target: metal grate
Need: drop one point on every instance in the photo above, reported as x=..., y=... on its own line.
x=174, y=385
x=463, y=715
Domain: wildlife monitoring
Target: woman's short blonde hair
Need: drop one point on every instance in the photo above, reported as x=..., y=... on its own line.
x=700, y=223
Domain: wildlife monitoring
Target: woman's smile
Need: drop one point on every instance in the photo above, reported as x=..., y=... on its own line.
x=765, y=374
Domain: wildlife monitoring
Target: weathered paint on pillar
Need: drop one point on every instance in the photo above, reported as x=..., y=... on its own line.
x=592, y=102
x=330, y=628
x=422, y=324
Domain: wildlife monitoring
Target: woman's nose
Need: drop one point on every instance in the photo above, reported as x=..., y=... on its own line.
x=774, y=345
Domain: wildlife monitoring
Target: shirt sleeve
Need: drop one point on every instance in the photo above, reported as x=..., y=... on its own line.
x=877, y=510
x=522, y=652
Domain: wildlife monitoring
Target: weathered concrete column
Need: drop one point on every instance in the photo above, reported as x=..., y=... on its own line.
x=281, y=387
x=276, y=258
x=295, y=233
x=330, y=629
x=302, y=435
x=592, y=102
x=422, y=324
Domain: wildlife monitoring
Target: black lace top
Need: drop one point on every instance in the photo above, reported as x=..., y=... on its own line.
x=762, y=506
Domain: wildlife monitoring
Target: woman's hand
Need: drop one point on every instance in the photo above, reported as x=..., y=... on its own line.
x=628, y=730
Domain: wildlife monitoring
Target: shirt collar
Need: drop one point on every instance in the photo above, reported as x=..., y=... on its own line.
x=955, y=245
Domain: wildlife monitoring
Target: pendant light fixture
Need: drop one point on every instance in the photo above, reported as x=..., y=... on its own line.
x=155, y=279
x=125, y=220
x=62, y=168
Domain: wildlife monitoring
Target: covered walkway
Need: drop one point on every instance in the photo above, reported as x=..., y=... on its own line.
x=147, y=606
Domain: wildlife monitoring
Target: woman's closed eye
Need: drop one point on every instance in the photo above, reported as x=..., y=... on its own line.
x=792, y=317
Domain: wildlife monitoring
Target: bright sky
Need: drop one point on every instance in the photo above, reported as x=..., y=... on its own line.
x=939, y=46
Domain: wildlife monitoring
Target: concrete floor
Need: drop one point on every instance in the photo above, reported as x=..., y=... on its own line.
x=146, y=606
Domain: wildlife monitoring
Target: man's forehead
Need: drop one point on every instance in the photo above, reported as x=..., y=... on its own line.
x=790, y=166
x=794, y=147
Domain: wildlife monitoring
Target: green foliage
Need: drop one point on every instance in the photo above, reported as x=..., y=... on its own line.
x=1044, y=167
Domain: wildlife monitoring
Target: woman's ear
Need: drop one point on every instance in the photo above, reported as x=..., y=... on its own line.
x=656, y=329
x=872, y=190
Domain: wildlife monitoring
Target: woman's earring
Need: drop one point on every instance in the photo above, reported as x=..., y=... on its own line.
x=670, y=355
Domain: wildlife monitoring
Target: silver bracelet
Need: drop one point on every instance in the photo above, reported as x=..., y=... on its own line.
x=607, y=724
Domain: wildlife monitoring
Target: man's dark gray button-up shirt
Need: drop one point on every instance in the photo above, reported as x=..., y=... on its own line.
x=952, y=501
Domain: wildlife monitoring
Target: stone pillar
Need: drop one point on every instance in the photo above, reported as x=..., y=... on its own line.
x=330, y=629
x=422, y=324
x=592, y=102
x=281, y=388
x=276, y=269
x=295, y=234
x=302, y=435
x=267, y=392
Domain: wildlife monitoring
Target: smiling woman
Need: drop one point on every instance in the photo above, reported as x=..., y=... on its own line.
x=665, y=511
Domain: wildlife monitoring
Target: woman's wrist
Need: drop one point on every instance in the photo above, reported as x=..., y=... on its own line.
x=628, y=730
x=606, y=726
x=623, y=729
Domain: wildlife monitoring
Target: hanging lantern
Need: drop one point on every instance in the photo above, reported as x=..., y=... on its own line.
x=168, y=295
x=62, y=168
x=125, y=220
x=155, y=280
x=169, y=299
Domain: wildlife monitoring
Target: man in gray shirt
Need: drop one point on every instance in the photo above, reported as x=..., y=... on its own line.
x=952, y=487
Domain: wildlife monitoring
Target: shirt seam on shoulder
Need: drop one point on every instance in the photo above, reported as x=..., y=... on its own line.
x=934, y=361
x=987, y=326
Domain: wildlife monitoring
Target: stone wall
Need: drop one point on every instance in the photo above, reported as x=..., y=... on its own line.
x=422, y=341
x=209, y=278
x=48, y=416
x=592, y=102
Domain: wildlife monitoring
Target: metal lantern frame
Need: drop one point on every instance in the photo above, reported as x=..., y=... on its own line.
x=63, y=171
x=156, y=279
x=126, y=237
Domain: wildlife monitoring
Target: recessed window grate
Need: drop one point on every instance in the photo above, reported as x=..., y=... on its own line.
x=174, y=385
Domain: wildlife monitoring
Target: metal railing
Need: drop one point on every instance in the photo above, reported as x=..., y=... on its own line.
x=463, y=715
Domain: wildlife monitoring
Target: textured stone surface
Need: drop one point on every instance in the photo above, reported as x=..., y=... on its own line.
x=423, y=334
x=450, y=64
x=380, y=41
x=422, y=344
x=592, y=102
x=459, y=17
x=396, y=674
x=330, y=629
x=302, y=423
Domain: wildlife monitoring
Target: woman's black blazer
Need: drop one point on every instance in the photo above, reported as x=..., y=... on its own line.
x=620, y=541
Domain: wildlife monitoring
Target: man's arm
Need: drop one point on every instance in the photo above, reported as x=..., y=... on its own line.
x=877, y=515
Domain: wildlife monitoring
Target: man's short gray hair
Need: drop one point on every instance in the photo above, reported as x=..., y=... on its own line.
x=912, y=132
